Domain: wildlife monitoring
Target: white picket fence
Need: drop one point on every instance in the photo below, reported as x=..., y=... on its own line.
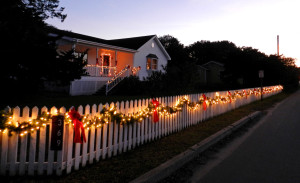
x=31, y=155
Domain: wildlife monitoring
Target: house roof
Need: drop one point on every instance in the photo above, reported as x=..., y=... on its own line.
x=202, y=67
x=213, y=62
x=127, y=44
x=132, y=43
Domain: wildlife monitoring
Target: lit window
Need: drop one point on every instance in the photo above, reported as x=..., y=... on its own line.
x=154, y=64
x=148, y=64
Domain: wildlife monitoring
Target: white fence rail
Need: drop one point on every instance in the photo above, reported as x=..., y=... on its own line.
x=31, y=155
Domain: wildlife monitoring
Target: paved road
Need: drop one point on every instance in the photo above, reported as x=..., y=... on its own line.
x=268, y=152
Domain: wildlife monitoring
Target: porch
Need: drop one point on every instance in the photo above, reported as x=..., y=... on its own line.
x=100, y=71
x=99, y=76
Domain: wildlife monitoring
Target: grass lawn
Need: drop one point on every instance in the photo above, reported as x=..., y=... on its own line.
x=130, y=165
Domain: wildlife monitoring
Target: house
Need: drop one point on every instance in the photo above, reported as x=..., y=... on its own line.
x=202, y=71
x=210, y=72
x=109, y=61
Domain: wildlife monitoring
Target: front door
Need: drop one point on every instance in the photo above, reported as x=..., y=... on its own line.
x=106, y=60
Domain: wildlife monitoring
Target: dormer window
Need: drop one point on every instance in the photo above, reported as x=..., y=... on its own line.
x=152, y=62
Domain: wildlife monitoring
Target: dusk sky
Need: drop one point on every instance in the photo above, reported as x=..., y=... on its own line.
x=254, y=23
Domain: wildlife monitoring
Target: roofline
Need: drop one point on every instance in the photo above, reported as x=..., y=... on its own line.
x=203, y=67
x=218, y=63
x=162, y=48
x=92, y=43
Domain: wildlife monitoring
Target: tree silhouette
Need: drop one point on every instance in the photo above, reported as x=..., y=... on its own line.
x=28, y=53
x=181, y=70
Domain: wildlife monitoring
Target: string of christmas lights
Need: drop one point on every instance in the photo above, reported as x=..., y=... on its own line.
x=111, y=114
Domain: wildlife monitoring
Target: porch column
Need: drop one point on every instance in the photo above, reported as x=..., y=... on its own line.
x=116, y=56
x=97, y=63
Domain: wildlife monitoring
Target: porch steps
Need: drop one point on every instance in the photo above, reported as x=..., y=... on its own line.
x=101, y=91
x=117, y=79
x=113, y=82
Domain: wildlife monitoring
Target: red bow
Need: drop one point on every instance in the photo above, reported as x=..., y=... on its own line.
x=204, y=102
x=255, y=92
x=75, y=117
x=155, y=114
x=245, y=93
x=229, y=96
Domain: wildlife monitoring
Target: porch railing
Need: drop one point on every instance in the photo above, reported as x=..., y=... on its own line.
x=117, y=79
x=127, y=71
x=103, y=71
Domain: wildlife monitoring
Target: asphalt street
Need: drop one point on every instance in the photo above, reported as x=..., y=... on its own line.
x=268, y=152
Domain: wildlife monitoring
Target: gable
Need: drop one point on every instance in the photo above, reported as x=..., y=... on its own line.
x=155, y=44
x=132, y=43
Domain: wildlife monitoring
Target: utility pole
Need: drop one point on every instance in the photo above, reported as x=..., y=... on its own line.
x=261, y=76
x=277, y=45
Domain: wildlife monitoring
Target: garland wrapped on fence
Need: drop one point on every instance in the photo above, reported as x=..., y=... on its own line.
x=111, y=114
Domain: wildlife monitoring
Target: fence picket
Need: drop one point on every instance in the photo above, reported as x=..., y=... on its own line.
x=126, y=126
x=135, y=125
x=84, y=156
x=98, y=143
x=142, y=123
x=12, y=149
x=50, y=158
x=4, y=153
x=77, y=156
x=32, y=151
x=121, y=139
x=42, y=148
x=138, y=108
x=23, y=154
x=91, y=144
x=130, y=129
x=69, y=139
x=104, y=141
x=110, y=135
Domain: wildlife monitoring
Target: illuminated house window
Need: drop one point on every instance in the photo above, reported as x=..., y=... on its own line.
x=152, y=61
x=154, y=64
x=148, y=63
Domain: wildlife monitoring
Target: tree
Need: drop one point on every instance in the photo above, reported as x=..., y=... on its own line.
x=205, y=51
x=181, y=71
x=45, y=9
x=29, y=55
x=243, y=63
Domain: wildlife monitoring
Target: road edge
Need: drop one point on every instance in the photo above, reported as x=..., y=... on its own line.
x=166, y=169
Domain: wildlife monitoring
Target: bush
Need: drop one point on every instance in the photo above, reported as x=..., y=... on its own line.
x=129, y=86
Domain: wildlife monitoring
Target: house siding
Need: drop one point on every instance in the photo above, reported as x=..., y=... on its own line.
x=214, y=73
x=124, y=59
x=140, y=57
